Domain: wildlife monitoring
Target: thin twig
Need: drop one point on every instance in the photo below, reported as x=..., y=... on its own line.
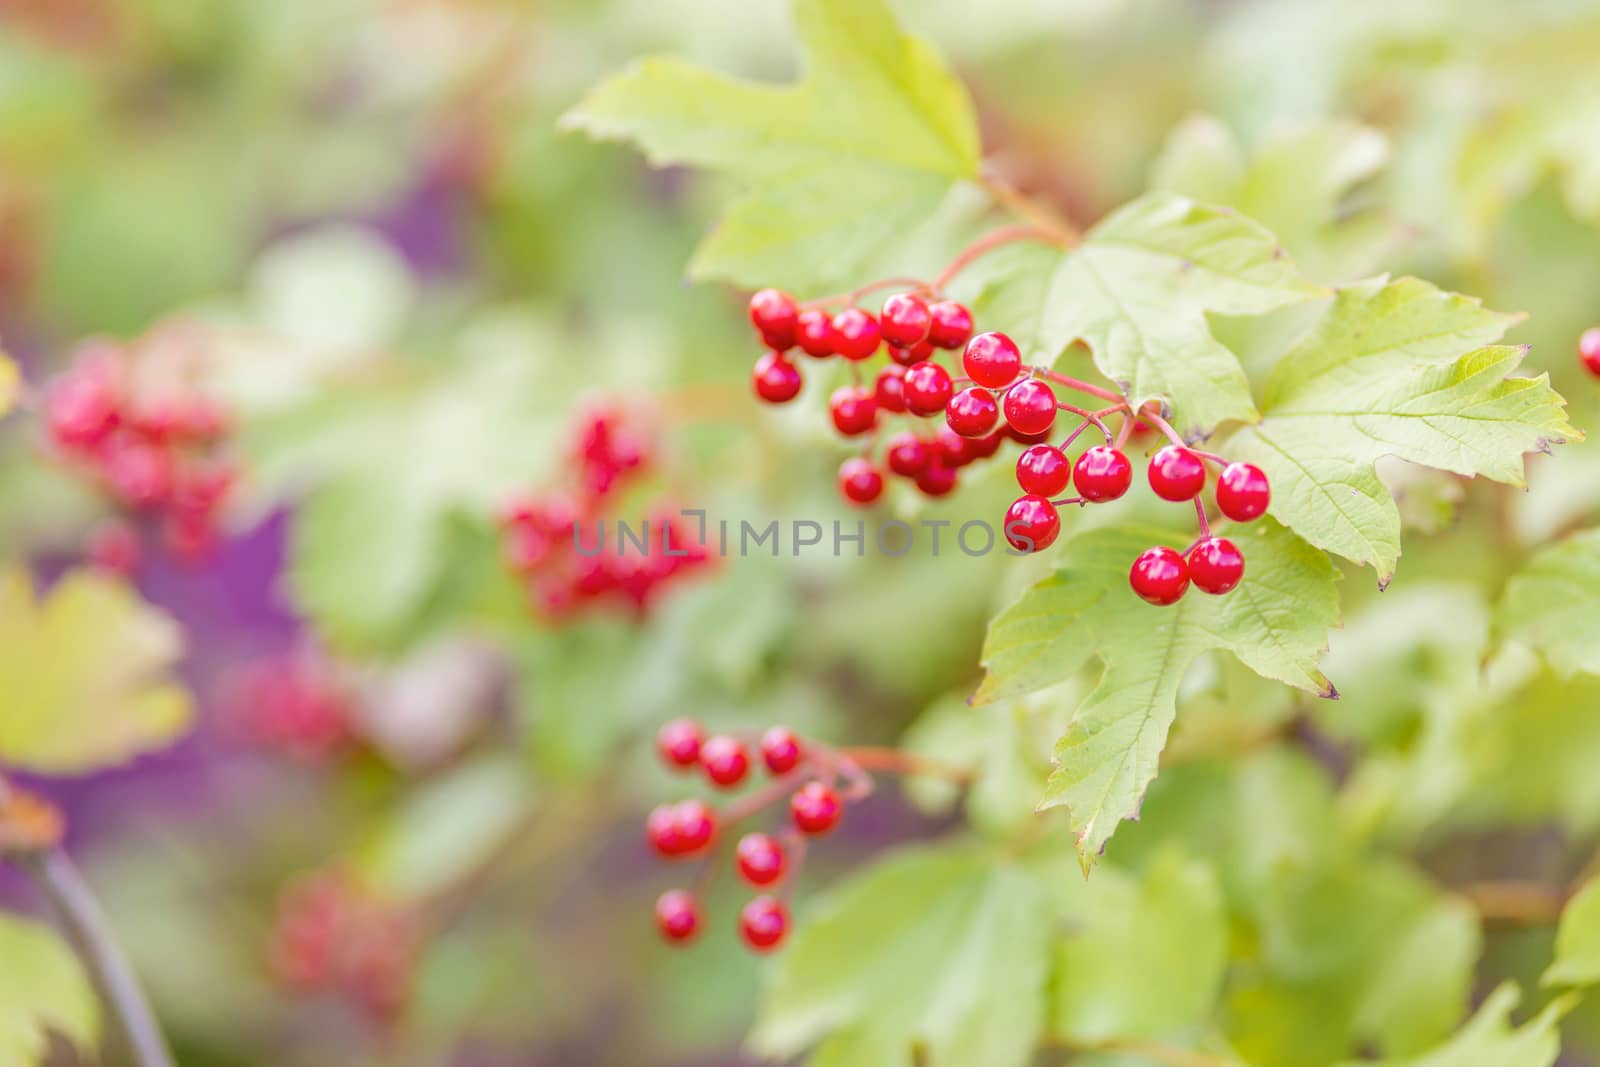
x=1005, y=235
x=1012, y=199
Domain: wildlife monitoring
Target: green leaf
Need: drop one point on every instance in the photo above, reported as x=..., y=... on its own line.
x=835, y=168
x=1489, y=1039
x=1392, y=369
x=1276, y=623
x=1137, y=291
x=85, y=675
x=1548, y=605
x=933, y=956
x=43, y=990
x=1142, y=957
x=1577, y=959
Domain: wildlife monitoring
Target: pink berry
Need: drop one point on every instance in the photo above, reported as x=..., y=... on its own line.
x=776, y=380
x=905, y=320
x=1102, y=473
x=1030, y=407
x=1589, y=349
x=1032, y=524
x=1043, y=470
x=1176, y=473
x=856, y=334
x=760, y=859
x=114, y=548
x=815, y=808
x=678, y=743
x=763, y=923
x=773, y=313
x=781, y=750
x=1215, y=565
x=677, y=916
x=1160, y=575
x=927, y=388
x=725, y=760
x=972, y=412
x=859, y=481
x=992, y=359
x=1242, y=492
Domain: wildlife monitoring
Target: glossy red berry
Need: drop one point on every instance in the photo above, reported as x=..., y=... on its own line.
x=889, y=389
x=972, y=412
x=776, y=380
x=927, y=388
x=774, y=314
x=937, y=479
x=1159, y=575
x=1589, y=349
x=988, y=445
x=908, y=357
x=1032, y=524
x=813, y=332
x=781, y=750
x=905, y=320
x=725, y=760
x=951, y=326
x=763, y=922
x=953, y=449
x=1102, y=473
x=859, y=481
x=907, y=454
x=854, y=409
x=1176, y=473
x=677, y=915
x=1030, y=407
x=1043, y=470
x=760, y=858
x=856, y=334
x=1242, y=492
x=992, y=359
x=1215, y=565
x=678, y=743
x=815, y=808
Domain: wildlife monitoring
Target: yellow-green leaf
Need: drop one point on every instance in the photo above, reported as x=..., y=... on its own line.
x=43, y=991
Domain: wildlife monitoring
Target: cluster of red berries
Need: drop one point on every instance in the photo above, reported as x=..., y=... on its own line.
x=295, y=704
x=334, y=935
x=913, y=330
x=155, y=448
x=1589, y=349
x=556, y=544
x=804, y=771
x=1161, y=575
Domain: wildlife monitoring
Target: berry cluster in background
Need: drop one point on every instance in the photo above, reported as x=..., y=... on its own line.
x=818, y=782
x=559, y=544
x=998, y=397
x=151, y=442
x=335, y=936
x=294, y=704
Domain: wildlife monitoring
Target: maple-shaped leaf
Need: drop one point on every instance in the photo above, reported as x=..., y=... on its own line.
x=1138, y=291
x=834, y=168
x=1392, y=368
x=1276, y=622
x=85, y=674
x=1489, y=1040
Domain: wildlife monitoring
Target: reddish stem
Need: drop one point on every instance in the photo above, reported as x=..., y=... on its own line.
x=899, y=761
x=1090, y=418
x=913, y=284
x=989, y=242
x=1200, y=516
x=1081, y=386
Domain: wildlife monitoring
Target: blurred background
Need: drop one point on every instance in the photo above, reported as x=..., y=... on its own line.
x=353, y=227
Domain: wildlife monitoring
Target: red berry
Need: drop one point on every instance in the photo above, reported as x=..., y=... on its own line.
x=815, y=808
x=760, y=859
x=907, y=357
x=854, y=409
x=951, y=326
x=82, y=408
x=813, y=331
x=907, y=454
x=677, y=915
x=1177, y=473
x=1216, y=565
x=1043, y=470
x=889, y=388
x=1589, y=349
x=678, y=743
x=937, y=479
x=776, y=380
x=781, y=750
x=856, y=334
x=860, y=481
x=661, y=830
x=1159, y=575
x=140, y=474
x=773, y=313
x=1102, y=473
x=681, y=829
x=763, y=922
x=927, y=388
x=1030, y=406
x=1242, y=492
x=725, y=760
x=905, y=320
x=972, y=412
x=992, y=359
x=1032, y=524
x=988, y=445
x=956, y=451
